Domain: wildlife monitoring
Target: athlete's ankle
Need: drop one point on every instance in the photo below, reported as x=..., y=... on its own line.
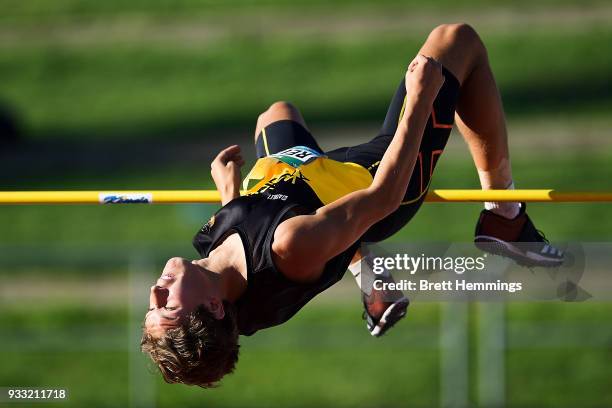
x=499, y=178
x=504, y=209
x=363, y=270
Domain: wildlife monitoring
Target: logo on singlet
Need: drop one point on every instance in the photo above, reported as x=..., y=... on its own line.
x=208, y=225
x=281, y=197
x=297, y=155
x=285, y=177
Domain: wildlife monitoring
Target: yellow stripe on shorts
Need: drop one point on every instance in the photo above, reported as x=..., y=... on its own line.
x=265, y=139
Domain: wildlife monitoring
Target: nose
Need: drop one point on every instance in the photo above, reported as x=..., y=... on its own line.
x=159, y=296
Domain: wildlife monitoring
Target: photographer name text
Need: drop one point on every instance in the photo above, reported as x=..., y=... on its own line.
x=458, y=285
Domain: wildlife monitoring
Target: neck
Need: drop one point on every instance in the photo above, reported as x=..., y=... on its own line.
x=227, y=268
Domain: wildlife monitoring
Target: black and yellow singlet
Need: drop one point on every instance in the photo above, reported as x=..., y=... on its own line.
x=285, y=190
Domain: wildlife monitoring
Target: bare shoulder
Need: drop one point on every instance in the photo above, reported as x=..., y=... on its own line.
x=292, y=251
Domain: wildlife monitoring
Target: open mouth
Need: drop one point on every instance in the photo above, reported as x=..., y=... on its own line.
x=167, y=276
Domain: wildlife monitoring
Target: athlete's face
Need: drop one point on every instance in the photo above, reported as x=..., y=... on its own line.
x=181, y=287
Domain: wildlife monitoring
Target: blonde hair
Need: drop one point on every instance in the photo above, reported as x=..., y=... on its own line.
x=200, y=351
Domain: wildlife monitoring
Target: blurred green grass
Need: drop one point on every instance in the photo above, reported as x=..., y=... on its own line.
x=130, y=91
x=40, y=9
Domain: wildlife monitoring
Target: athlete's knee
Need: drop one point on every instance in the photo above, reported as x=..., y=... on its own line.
x=280, y=110
x=458, y=34
x=283, y=107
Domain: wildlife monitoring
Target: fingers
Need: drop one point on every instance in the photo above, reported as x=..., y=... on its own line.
x=413, y=64
x=423, y=60
x=235, y=156
x=424, y=78
x=418, y=60
x=231, y=153
x=435, y=63
x=239, y=161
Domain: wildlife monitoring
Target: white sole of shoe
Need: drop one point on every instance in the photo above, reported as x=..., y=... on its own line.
x=382, y=323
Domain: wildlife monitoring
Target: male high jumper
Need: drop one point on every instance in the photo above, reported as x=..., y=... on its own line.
x=306, y=220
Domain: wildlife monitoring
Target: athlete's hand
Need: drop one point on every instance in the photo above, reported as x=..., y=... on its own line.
x=424, y=79
x=225, y=171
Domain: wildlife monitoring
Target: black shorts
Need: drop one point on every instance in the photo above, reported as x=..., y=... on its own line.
x=284, y=134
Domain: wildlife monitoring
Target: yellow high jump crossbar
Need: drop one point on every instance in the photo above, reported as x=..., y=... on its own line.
x=211, y=196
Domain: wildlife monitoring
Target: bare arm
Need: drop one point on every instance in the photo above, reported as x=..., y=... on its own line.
x=303, y=244
x=225, y=171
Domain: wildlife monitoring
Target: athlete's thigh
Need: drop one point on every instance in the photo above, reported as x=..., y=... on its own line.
x=434, y=140
x=436, y=134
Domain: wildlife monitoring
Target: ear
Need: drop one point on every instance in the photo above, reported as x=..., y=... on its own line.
x=215, y=306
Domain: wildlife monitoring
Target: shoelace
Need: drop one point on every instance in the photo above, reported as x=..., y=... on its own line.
x=541, y=235
x=556, y=251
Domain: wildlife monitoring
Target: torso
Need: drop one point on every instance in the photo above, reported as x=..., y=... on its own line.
x=276, y=290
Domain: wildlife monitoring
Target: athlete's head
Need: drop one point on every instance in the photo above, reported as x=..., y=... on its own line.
x=189, y=331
